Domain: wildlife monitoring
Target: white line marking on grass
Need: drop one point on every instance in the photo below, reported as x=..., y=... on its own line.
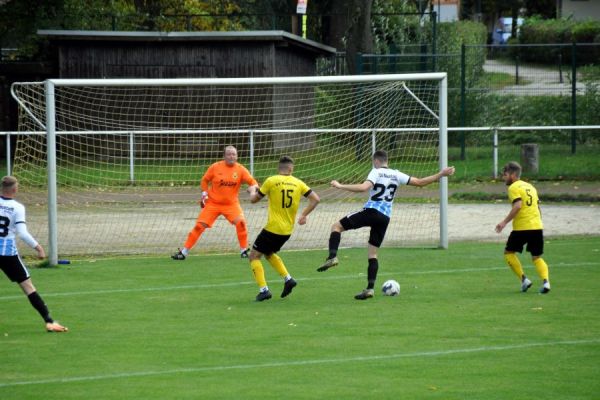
x=320, y=278
x=420, y=354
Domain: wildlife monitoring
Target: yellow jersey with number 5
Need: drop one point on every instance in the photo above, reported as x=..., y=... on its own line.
x=529, y=216
x=284, y=192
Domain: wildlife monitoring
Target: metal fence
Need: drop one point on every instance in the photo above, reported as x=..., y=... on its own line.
x=495, y=85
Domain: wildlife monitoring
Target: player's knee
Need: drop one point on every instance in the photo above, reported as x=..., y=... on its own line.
x=241, y=224
x=199, y=228
x=254, y=255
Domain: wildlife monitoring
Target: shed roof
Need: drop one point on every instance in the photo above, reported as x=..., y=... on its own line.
x=280, y=37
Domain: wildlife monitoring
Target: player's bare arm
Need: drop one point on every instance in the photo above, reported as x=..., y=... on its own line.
x=414, y=181
x=313, y=200
x=516, y=207
x=356, y=187
x=40, y=252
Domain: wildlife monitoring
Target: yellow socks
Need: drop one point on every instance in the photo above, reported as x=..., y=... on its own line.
x=541, y=267
x=259, y=273
x=513, y=262
x=277, y=264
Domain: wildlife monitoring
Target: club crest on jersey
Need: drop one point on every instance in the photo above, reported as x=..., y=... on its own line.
x=235, y=175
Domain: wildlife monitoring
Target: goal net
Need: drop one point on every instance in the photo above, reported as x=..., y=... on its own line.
x=113, y=166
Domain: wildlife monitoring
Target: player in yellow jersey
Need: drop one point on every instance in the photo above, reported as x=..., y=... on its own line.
x=220, y=188
x=284, y=192
x=527, y=225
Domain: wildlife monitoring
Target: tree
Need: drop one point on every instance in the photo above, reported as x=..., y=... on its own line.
x=351, y=29
x=20, y=19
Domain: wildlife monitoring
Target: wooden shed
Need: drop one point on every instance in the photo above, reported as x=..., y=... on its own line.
x=112, y=54
x=107, y=54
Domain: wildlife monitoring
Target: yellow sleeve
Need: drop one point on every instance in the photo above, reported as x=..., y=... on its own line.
x=266, y=187
x=514, y=193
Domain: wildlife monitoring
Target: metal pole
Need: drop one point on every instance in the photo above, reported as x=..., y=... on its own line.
x=252, y=153
x=495, y=153
x=560, y=74
x=51, y=169
x=463, y=63
x=443, y=162
x=573, y=96
x=131, y=158
x=8, y=164
x=373, y=142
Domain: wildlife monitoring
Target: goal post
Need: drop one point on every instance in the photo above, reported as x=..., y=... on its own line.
x=114, y=165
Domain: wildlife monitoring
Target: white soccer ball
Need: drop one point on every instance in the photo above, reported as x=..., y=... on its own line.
x=390, y=288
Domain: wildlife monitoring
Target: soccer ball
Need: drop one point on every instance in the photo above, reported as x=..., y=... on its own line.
x=390, y=288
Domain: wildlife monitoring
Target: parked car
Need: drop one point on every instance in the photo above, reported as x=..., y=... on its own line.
x=503, y=30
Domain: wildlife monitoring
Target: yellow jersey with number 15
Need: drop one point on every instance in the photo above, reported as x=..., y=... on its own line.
x=284, y=192
x=529, y=216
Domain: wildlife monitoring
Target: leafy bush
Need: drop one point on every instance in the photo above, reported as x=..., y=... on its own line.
x=559, y=31
x=451, y=36
x=489, y=109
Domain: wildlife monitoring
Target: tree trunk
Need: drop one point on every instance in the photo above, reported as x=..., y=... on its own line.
x=360, y=38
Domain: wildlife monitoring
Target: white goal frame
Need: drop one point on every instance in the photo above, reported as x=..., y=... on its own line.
x=50, y=126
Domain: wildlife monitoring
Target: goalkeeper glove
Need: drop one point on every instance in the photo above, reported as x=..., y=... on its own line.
x=203, y=199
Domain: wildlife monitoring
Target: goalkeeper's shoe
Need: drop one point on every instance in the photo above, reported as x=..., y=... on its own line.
x=329, y=263
x=244, y=253
x=178, y=256
x=288, y=287
x=261, y=296
x=365, y=294
x=55, y=327
x=525, y=285
x=545, y=287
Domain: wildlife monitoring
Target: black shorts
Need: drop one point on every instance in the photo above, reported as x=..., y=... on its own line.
x=14, y=268
x=368, y=217
x=533, y=238
x=268, y=243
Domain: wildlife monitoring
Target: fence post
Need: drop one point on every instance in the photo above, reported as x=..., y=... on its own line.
x=462, y=99
x=560, y=74
x=433, y=43
x=251, y=138
x=131, y=158
x=573, y=95
x=373, y=142
x=516, y=70
x=8, y=164
x=495, y=153
x=530, y=157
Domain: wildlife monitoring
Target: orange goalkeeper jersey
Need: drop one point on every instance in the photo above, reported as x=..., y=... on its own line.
x=222, y=182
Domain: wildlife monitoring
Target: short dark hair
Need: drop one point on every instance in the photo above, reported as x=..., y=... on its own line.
x=512, y=167
x=380, y=155
x=286, y=160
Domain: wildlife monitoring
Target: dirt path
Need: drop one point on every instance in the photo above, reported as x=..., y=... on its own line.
x=539, y=81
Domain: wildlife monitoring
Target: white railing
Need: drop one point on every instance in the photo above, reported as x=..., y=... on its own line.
x=496, y=131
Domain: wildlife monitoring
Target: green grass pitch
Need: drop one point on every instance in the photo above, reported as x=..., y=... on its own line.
x=153, y=328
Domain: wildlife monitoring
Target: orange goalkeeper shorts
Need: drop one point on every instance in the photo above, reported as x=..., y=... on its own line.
x=211, y=211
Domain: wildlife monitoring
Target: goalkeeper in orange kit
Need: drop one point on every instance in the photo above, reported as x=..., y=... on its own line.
x=220, y=188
